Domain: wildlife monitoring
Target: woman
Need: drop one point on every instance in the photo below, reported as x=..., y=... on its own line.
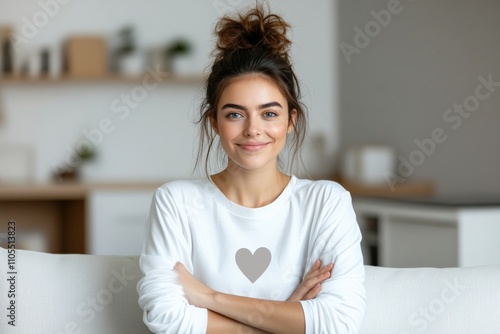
x=252, y=249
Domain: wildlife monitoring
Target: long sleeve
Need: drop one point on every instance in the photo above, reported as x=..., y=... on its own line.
x=340, y=306
x=160, y=296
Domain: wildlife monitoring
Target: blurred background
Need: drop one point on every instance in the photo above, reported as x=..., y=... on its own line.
x=98, y=99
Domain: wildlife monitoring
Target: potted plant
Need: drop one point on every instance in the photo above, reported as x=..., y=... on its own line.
x=129, y=60
x=176, y=54
x=73, y=172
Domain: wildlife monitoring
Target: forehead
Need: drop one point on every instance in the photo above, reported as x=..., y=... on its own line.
x=251, y=89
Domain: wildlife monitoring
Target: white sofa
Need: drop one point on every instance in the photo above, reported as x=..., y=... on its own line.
x=69, y=294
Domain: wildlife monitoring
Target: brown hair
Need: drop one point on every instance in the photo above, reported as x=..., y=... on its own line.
x=252, y=43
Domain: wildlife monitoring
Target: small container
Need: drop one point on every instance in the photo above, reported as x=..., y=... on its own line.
x=86, y=57
x=35, y=65
x=55, y=62
x=369, y=164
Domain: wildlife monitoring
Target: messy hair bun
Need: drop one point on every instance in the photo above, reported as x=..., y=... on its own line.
x=252, y=43
x=253, y=29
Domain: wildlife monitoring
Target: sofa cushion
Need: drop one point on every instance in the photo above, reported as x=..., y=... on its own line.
x=432, y=300
x=70, y=294
x=56, y=294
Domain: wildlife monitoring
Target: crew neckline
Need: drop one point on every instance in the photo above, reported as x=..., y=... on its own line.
x=247, y=212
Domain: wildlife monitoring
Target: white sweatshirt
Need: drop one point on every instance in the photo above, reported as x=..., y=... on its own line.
x=255, y=252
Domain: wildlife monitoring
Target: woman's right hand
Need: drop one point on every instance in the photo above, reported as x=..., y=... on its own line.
x=311, y=285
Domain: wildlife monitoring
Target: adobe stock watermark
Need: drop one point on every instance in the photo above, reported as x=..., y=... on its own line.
x=121, y=108
x=31, y=26
x=88, y=309
x=454, y=117
x=372, y=29
x=420, y=319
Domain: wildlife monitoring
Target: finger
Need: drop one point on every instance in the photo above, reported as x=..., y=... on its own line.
x=310, y=289
x=179, y=267
x=319, y=271
x=321, y=276
x=327, y=268
x=316, y=265
x=307, y=285
x=313, y=292
x=314, y=270
x=323, y=269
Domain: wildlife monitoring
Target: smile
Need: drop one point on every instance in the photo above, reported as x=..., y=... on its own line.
x=252, y=147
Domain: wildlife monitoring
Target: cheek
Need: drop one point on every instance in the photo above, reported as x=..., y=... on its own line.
x=227, y=131
x=277, y=130
x=226, y=135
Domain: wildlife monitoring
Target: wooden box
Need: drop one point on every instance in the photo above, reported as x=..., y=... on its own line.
x=86, y=56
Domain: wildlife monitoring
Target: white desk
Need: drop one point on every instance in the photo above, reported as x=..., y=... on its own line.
x=429, y=232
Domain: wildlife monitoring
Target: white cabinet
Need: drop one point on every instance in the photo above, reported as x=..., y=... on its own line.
x=400, y=233
x=117, y=220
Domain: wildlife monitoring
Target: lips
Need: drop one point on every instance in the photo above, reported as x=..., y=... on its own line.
x=252, y=147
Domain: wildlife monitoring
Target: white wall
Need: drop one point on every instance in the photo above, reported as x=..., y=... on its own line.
x=399, y=87
x=156, y=140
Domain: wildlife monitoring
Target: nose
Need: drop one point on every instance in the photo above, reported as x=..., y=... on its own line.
x=252, y=127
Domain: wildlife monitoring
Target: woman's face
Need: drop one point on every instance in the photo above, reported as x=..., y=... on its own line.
x=252, y=122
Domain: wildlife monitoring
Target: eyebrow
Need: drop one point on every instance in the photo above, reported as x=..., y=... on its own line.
x=262, y=106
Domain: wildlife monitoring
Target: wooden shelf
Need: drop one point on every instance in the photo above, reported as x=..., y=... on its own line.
x=65, y=190
x=111, y=78
x=58, y=212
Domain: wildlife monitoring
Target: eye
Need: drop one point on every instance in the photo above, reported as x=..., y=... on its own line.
x=270, y=114
x=233, y=115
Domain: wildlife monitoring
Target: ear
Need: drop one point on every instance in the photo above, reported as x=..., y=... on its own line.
x=213, y=123
x=291, y=122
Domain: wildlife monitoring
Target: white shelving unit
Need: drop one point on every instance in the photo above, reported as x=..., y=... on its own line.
x=411, y=234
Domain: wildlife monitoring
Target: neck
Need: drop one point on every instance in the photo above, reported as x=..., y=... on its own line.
x=251, y=189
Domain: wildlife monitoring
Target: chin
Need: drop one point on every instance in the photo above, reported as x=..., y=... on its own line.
x=253, y=165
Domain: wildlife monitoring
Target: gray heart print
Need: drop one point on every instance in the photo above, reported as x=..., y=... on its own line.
x=253, y=265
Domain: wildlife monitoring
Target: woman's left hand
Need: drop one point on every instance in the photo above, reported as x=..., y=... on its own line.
x=311, y=285
x=195, y=291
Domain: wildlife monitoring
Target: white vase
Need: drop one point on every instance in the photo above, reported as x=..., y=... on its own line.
x=182, y=65
x=34, y=65
x=132, y=64
x=55, y=62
